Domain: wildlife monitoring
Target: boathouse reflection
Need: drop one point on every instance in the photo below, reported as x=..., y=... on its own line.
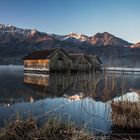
x=99, y=87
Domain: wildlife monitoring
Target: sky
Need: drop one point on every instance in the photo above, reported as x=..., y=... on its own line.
x=118, y=17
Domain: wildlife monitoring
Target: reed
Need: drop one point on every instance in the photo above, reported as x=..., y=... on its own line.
x=126, y=114
x=53, y=129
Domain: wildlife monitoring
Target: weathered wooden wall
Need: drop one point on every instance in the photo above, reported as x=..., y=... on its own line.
x=95, y=63
x=36, y=64
x=82, y=64
x=60, y=61
x=60, y=64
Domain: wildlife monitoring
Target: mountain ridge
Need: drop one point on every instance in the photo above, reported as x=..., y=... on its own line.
x=137, y=45
x=16, y=42
x=99, y=39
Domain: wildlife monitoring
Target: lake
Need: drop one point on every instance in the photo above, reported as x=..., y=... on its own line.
x=83, y=98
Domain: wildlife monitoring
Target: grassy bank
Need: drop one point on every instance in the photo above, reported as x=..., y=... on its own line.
x=126, y=114
x=54, y=129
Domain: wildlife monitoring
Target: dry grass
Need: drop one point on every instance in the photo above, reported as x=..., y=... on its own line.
x=126, y=114
x=54, y=129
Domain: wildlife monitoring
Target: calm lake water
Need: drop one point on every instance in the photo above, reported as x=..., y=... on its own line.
x=84, y=98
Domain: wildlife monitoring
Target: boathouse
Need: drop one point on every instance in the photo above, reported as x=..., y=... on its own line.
x=59, y=60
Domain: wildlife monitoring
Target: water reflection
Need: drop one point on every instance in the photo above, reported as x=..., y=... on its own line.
x=99, y=87
x=84, y=97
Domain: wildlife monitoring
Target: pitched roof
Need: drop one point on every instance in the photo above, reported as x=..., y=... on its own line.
x=75, y=56
x=90, y=58
x=97, y=58
x=42, y=54
x=93, y=58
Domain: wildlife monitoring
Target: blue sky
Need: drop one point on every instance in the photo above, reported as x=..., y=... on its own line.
x=119, y=17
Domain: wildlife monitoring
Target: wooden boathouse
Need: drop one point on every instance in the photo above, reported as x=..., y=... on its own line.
x=52, y=60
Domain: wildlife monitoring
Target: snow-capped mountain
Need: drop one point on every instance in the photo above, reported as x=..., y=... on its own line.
x=18, y=36
x=99, y=39
x=80, y=37
x=107, y=39
x=14, y=31
x=16, y=42
x=72, y=37
x=137, y=45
